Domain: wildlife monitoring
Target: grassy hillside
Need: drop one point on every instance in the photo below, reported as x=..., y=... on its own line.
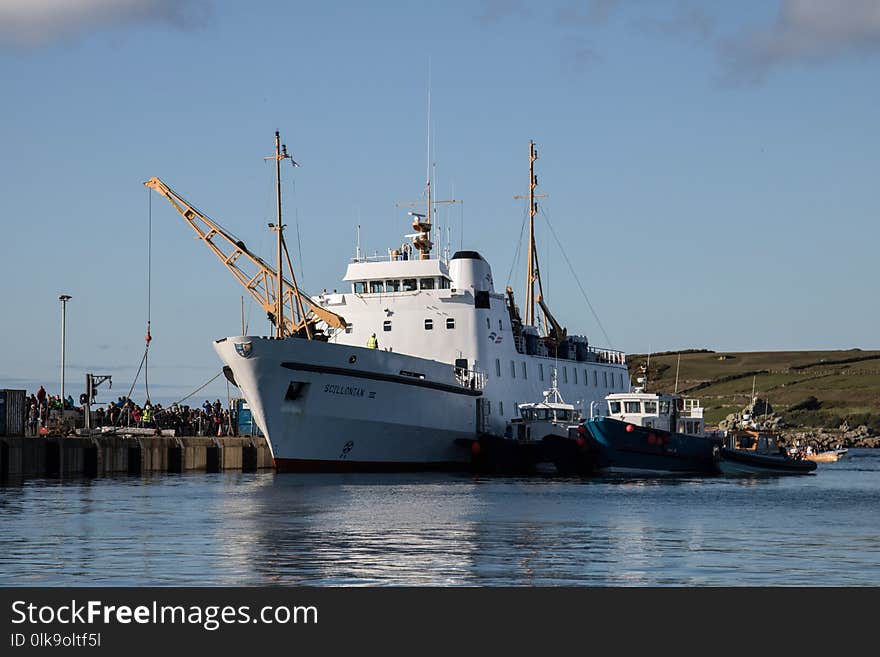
x=845, y=384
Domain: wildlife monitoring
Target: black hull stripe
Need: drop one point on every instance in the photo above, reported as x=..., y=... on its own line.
x=378, y=376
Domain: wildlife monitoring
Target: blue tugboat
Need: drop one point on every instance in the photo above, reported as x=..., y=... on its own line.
x=645, y=432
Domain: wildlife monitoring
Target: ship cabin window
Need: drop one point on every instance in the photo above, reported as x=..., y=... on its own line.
x=574, y=370
x=524, y=371
x=586, y=380
x=348, y=328
x=450, y=322
x=429, y=324
x=408, y=285
x=563, y=415
x=498, y=367
x=512, y=370
x=605, y=378
x=632, y=407
x=426, y=283
x=565, y=375
x=499, y=325
x=540, y=414
x=651, y=408
x=488, y=325
x=386, y=325
x=500, y=408
x=664, y=407
x=376, y=286
x=360, y=287
x=541, y=371
x=392, y=286
x=444, y=283
x=595, y=379
x=614, y=407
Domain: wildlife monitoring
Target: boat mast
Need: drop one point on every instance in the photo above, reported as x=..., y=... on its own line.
x=533, y=272
x=279, y=299
x=282, y=154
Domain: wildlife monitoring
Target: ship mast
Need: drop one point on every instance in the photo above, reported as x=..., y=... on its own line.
x=280, y=329
x=533, y=272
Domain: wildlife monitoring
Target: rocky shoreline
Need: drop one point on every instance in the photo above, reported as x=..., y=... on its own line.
x=760, y=415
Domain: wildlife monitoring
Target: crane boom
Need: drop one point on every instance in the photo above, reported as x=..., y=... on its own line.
x=559, y=331
x=257, y=277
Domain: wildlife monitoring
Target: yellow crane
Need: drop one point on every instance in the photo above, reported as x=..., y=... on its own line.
x=260, y=280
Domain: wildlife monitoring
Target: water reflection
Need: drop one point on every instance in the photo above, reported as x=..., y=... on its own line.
x=239, y=529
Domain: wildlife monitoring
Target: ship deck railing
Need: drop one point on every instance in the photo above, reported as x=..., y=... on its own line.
x=594, y=354
x=473, y=379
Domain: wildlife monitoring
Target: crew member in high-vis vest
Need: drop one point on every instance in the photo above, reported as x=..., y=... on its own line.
x=373, y=342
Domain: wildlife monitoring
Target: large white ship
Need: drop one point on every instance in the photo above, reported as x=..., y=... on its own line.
x=451, y=357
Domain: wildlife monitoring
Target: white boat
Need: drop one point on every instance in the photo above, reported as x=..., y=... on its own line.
x=453, y=358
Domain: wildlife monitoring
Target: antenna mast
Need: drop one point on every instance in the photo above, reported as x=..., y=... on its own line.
x=281, y=154
x=533, y=273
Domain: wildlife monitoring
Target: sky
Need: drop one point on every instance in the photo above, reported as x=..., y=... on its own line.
x=711, y=167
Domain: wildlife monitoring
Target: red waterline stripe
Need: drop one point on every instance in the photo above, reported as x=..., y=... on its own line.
x=314, y=465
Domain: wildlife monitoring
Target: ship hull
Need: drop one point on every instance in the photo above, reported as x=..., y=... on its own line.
x=328, y=407
x=743, y=463
x=628, y=448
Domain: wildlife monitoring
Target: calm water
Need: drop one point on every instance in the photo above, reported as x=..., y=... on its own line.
x=239, y=529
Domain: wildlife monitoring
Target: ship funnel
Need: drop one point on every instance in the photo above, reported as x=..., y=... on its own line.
x=469, y=271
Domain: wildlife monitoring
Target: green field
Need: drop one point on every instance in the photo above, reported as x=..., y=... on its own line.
x=846, y=384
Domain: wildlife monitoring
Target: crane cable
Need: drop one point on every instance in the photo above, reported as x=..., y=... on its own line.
x=144, y=365
x=148, y=337
x=576, y=279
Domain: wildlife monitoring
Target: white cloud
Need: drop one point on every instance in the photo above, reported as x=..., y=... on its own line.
x=36, y=22
x=806, y=31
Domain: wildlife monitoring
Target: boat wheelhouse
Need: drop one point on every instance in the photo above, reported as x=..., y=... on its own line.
x=671, y=413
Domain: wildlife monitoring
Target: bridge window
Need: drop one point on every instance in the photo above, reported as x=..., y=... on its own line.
x=651, y=407
x=392, y=286
x=450, y=322
x=427, y=283
x=360, y=287
x=498, y=367
x=664, y=407
x=409, y=284
x=614, y=407
x=376, y=286
x=632, y=407
x=386, y=325
x=429, y=324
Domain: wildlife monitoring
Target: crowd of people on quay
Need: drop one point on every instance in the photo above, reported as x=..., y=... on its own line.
x=207, y=420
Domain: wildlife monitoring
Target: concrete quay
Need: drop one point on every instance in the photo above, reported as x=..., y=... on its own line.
x=98, y=456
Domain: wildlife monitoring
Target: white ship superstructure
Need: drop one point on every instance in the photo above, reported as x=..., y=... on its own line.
x=449, y=364
x=451, y=358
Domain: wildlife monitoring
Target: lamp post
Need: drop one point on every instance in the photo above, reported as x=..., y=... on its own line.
x=64, y=298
